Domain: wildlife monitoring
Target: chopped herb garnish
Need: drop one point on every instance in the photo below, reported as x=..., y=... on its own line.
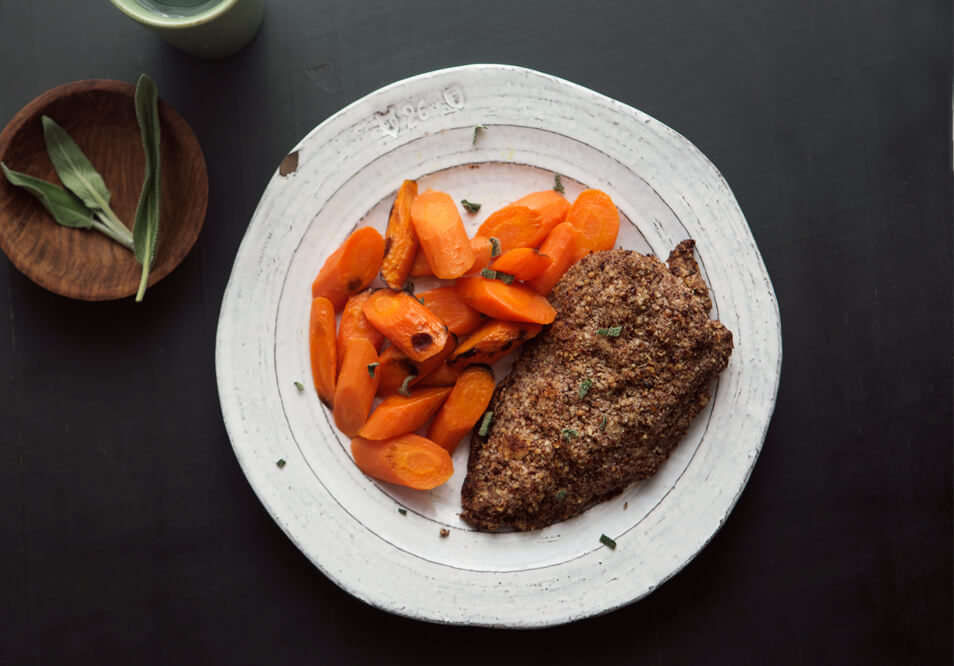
x=477, y=129
x=584, y=388
x=402, y=511
x=569, y=433
x=606, y=541
x=487, y=273
x=409, y=287
x=611, y=332
x=603, y=424
x=561, y=494
x=470, y=205
x=485, y=424
x=506, y=278
x=371, y=367
x=280, y=463
x=494, y=247
x=558, y=183
x=404, y=390
x=299, y=386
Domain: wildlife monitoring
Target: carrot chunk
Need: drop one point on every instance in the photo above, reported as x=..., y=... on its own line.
x=408, y=460
x=355, y=390
x=351, y=268
x=459, y=317
x=400, y=240
x=420, y=267
x=594, y=215
x=355, y=325
x=410, y=327
x=321, y=342
x=524, y=263
x=464, y=406
x=514, y=226
x=398, y=414
x=510, y=302
x=482, y=251
x=444, y=375
x=550, y=205
x=441, y=234
x=563, y=245
x=492, y=341
x=394, y=368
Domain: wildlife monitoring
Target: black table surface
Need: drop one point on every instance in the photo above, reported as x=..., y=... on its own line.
x=128, y=533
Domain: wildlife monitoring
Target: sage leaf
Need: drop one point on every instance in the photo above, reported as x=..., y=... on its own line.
x=146, y=225
x=74, y=169
x=63, y=205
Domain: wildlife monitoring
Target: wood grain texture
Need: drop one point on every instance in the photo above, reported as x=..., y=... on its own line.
x=100, y=116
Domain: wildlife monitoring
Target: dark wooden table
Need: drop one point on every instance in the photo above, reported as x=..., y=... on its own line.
x=128, y=533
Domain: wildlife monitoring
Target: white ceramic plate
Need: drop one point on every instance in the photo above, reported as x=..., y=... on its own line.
x=348, y=170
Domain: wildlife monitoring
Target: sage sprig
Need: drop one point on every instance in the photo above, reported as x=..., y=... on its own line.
x=146, y=225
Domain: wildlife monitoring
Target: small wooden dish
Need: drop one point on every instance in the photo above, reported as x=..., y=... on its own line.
x=82, y=263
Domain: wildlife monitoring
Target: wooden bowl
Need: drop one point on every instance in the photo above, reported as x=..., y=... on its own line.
x=82, y=263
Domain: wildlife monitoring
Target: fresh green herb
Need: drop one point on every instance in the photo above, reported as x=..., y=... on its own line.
x=487, y=273
x=569, y=433
x=371, y=367
x=280, y=463
x=63, y=205
x=299, y=386
x=561, y=494
x=146, y=226
x=409, y=287
x=494, y=247
x=485, y=424
x=470, y=205
x=506, y=278
x=558, y=183
x=584, y=388
x=611, y=332
x=603, y=424
x=606, y=541
x=477, y=129
x=402, y=511
x=405, y=386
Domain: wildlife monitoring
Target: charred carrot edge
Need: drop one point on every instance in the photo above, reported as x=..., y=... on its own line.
x=351, y=267
x=491, y=341
x=408, y=460
x=356, y=388
x=464, y=406
x=410, y=326
x=510, y=302
x=355, y=325
x=514, y=226
x=524, y=263
x=440, y=231
x=321, y=342
x=398, y=414
x=563, y=245
x=552, y=208
x=459, y=317
x=400, y=240
x=594, y=215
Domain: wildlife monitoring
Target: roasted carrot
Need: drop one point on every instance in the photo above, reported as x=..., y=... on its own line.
x=552, y=207
x=441, y=234
x=351, y=268
x=464, y=406
x=420, y=267
x=394, y=368
x=410, y=327
x=408, y=460
x=594, y=215
x=514, y=226
x=444, y=375
x=511, y=302
x=459, y=317
x=563, y=245
x=400, y=240
x=355, y=325
x=398, y=414
x=492, y=341
x=524, y=263
x=321, y=342
x=483, y=253
x=356, y=387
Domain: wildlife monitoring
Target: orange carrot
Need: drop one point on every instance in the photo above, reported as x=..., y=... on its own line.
x=563, y=245
x=398, y=414
x=524, y=263
x=400, y=241
x=552, y=207
x=483, y=251
x=594, y=215
x=410, y=327
x=355, y=325
x=444, y=375
x=321, y=342
x=356, y=387
x=351, y=268
x=510, y=302
x=394, y=368
x=408, y=460
x=513, y=225
x=460, y=318
x=463, y=408
x=441, y=234
x=420, y=267
x=492, y=341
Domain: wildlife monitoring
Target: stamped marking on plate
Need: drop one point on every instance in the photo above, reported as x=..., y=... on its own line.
x=408, y=114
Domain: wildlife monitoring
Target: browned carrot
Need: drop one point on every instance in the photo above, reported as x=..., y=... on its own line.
x=398, y=414
x=492, y=341
x=356, y=387
x=562, y=244
x=429, y=365
x=513, y=225
x=400, y=240
x=441, y=234
x=460, y=318
x=351, y=268
x=394, y=368
x=410, y=327
x=444, y=375
x=355, y=325
x=464, y=406
x=321, y=341
x=594, y=215
x=524, y=263
x=552, y=207
x=408, y=460
x=511, y=302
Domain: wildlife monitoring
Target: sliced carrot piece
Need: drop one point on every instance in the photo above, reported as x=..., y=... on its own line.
x=400, y=240
x=410, y=327
x=321, y=342
x=441, y=233
x=563, y=245
x=511, y=302
x=394, y=368
x=594, y=215
x=408, y=460
x=355, y=325
x=351, y=268
x=459, y=317
x=420, y=267
x=483, y=251
x=356, y=388
x=444, y=375
x=524, y=263
x=552, y=207
x=492, y=341
x=513, y=225
x=464, y=406
x=398, y=414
